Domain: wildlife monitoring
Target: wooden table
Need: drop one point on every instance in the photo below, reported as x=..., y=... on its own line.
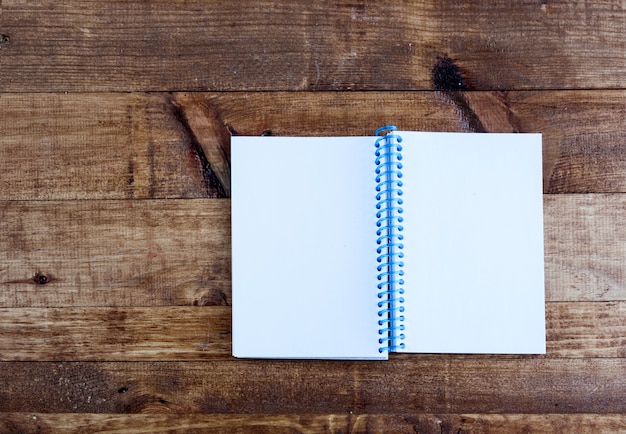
x=115, y=122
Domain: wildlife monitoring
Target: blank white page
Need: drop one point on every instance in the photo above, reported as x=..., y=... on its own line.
x=304, y=248
x=474, y=273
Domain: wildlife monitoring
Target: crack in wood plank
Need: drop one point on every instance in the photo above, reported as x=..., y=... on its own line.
x=207, y=136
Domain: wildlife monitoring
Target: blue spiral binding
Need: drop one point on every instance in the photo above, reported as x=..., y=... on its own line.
x=388, y=212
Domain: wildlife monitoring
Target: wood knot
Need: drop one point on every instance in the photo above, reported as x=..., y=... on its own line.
x=5, y=39
x=214, y=297
x=41, y=279
x=447, y=76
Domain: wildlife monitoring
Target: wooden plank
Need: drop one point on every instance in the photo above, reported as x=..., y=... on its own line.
x=117, y=146
x=93, y=147
x=177, y=252
x=155, y=333
x=115, y=253
x=586, y=329
x=299, y=45
x=405, y=384
x=409, y=423
x=585, y=248
x=574, y=330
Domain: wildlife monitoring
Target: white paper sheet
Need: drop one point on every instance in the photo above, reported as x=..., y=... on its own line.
x=473, y=243
x=304, y=256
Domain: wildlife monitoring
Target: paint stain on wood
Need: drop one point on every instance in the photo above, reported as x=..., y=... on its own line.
x=448, y=78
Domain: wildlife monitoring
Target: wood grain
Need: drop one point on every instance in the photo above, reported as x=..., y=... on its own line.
x=408, y=423
x=115, y=253
x=175, y=333
x=574, y=330
x=405, y=384
x=135, y=45
x=585, y=250
x=586, y=329
x=161, y=145
x=115, y=286
x=177, y=252
x=90, y=147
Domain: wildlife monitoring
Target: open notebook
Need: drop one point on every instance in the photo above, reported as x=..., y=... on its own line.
x=354, y=247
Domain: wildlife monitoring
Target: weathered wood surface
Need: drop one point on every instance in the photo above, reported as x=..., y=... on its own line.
x=177, y=252
x=115, y=125
x=302, y=45
x=115, y=253
x=174, y=333
x=409, y=423
x=91, y=146
x=585, y=249
x=404, y=384
x=162, y=145
x=574, y=329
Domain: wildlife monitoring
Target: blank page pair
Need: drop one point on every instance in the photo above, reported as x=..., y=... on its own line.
x=355, y=247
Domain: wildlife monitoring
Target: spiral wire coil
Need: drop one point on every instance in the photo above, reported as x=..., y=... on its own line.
x=389, y=232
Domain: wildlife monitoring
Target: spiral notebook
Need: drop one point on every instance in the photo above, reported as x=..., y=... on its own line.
x=355, y=247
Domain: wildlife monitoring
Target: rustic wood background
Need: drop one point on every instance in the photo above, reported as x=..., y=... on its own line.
x=115, y=122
